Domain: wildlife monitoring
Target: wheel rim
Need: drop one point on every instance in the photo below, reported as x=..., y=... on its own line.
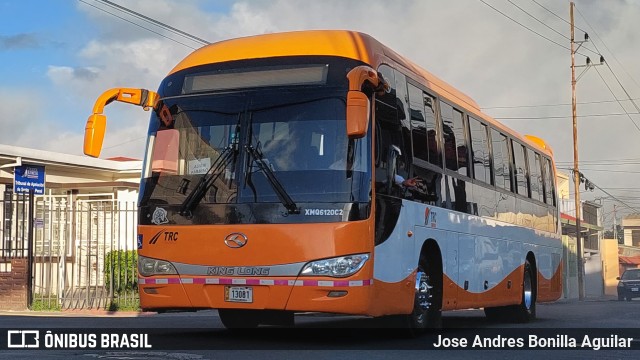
x=528, y=290
x=423, y=297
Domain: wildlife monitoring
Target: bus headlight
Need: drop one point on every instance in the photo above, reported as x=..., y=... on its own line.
x=342, y=266
x=149, y=267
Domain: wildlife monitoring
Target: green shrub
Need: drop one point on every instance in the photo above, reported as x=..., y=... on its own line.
x=120, y=268
x=125, y=301
x=48, y=303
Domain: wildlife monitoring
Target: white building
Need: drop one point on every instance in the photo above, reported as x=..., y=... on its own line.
x=88, y=210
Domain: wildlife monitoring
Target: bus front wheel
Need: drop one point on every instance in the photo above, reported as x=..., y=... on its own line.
x=426, y=313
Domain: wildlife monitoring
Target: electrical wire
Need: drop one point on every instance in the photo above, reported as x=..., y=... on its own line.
x=606, y=47
x=528, y=28
x=126, y=142
x=564, y=117
x=607, y=193
x=619, y=103
x=558, y=16
x=138, y=25
x=538, y=20
x=154, y=22
x=553, y=105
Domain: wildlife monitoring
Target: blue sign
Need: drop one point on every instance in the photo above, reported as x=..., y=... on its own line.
x=29, y=177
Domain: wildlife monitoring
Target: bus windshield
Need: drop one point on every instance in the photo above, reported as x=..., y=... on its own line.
x=298, y=136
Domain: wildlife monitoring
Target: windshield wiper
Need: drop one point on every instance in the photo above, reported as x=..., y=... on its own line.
x=207, y=180
x=286, y=200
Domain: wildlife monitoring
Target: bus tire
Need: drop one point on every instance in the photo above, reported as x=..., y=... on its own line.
x=427, y=312
x=526, y=310
x=239, y=318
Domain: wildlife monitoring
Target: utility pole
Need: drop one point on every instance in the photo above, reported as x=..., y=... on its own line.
x=615, y=226
x=576, y=172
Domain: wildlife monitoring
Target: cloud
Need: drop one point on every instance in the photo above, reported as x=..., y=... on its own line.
x=19, y=41
x=467, y=44
x=61, y=74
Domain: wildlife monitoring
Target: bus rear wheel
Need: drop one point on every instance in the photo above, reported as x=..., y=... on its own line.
x=526, y=311
x=523, y=312
x=239, y=318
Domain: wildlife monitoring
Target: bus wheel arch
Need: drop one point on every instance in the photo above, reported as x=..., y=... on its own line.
x=427, y=310
x=527, y=308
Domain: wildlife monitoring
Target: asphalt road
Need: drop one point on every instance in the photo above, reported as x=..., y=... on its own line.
x=201, y=335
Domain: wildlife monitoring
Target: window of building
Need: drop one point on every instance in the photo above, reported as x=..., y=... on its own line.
x=635, y=238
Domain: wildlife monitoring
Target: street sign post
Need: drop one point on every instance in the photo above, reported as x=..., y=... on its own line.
x=29, y=177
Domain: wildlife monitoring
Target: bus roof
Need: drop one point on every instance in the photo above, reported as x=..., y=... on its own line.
x=343, y=43
x=348, y=44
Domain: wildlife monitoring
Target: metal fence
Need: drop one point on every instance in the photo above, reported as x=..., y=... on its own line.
x=15, y=226
x=83, y=254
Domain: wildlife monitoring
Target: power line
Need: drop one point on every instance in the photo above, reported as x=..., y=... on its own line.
x=526, y=27
x=609, y=194
x=545, y=24
x=538, y=20
x=563, y=117
x=599, y=163
x=138, y=25
x=155, y=22
x=556, y=15
x=627, y=159
x=554, y=105
x=617, y=79
x=619, y=103
x=607, y=48
x=126, y=142
x=613, y=171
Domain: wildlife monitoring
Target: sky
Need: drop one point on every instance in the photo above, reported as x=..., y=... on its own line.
x=58, y=56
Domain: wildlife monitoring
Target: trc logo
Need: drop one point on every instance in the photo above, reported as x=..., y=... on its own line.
x=169, y=236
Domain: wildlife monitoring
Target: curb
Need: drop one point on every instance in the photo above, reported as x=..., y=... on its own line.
x=78, y=313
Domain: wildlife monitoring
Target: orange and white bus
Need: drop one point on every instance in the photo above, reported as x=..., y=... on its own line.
x=320, y=171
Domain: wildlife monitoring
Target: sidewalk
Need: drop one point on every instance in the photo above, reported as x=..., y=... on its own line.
x=78, y=313
x=587, y=299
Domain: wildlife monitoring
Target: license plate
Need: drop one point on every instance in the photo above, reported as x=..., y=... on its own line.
x=634, y=289
x=243, y=294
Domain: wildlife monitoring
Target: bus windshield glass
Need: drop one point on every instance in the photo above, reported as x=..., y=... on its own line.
x=300, y=136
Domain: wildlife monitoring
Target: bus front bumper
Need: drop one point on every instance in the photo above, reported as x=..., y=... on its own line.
x=348, y=296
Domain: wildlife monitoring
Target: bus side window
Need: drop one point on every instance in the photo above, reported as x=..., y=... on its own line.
x=535, y=175
x=500, y=160
x=423, y=126
x=549, y=181
x=520, y=169
x=392, y=130
x=481, y=157
x=454, y=134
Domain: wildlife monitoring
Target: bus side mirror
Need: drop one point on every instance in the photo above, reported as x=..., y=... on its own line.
x=97, y=123
x=358, y=105
x=94, y=134
x=358, y=111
